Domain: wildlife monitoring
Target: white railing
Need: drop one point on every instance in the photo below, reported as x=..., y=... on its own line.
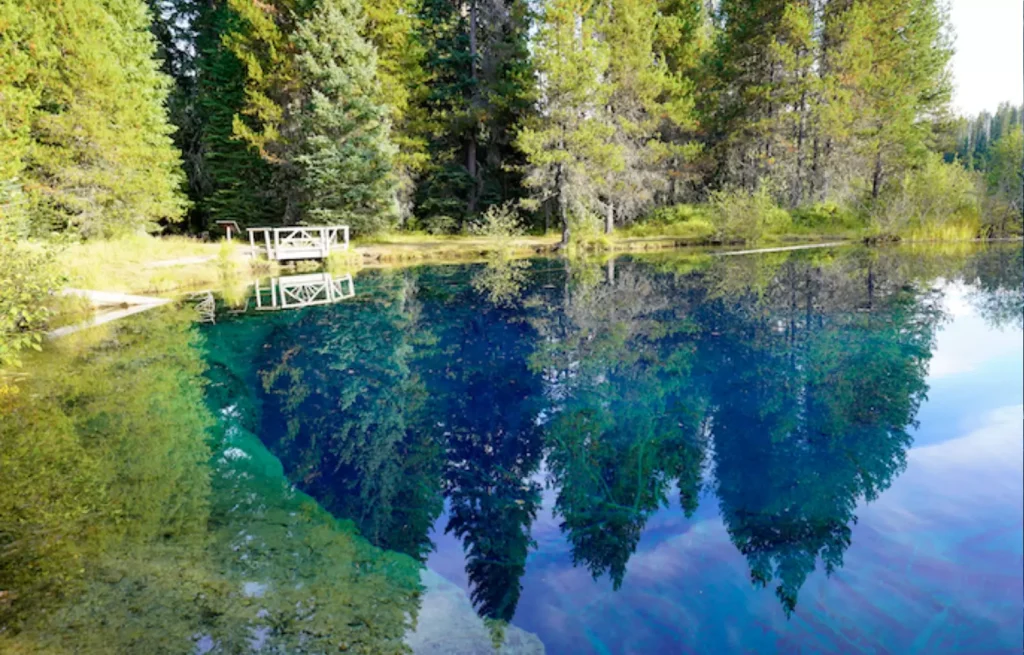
x=283, y=243
x=295, y=291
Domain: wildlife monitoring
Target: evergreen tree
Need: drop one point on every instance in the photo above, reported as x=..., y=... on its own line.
x=740, y=106
x=1005, y=179
x=343, y=147
x=682, y=40
x=228, y=177
x=908, y=88
x=394, y=28
x=480, y=91
x=85, y=128
x=568, y=146
x=645, y=102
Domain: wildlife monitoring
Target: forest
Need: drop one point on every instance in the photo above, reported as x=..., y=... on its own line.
x=738, y=121
x=727, y=120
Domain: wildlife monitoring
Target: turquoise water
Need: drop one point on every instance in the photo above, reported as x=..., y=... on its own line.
x=814, y=452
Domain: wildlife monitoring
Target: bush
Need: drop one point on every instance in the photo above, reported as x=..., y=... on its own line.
x=439, y=225
x=500, y=222
x=28, y=280
x=739, y=214
x=935, y=201
x=675, y=214
x=586, y=233
x=826, y=216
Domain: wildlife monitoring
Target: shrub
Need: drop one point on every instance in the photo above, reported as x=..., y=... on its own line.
x=500, y=222
x=675, y=214
x=748, y=216
x=586, y=233
x=675, y=220
x=935, y=201
x=438, y=225
x=28, y=280
x=826, y=215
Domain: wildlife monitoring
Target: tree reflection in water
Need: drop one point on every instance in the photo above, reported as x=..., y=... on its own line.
x=784, y=385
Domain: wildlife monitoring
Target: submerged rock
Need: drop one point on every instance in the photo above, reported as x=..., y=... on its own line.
x=447, y=624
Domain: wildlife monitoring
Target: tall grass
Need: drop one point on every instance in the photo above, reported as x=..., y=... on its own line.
x=680, y=221
x=952, y=231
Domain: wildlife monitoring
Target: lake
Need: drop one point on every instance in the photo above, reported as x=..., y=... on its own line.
x=800, y=452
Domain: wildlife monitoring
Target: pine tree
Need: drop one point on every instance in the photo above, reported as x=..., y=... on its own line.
x=85, y=127
x=682, y=40
x=740, y=107
x=646, y=102
x=1005, y=179
x=909, y=86
x=394, y=27
x=229, y=178
x=568, y=146
x=343, y=148
x=481, y=87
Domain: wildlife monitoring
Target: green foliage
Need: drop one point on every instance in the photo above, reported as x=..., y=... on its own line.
x=936, y=200
x=568, y=147
x=680, y=220
x=972, y=140
x=480, y=90
x=747, y=216
x=500, y=222
x=344, y=152
x=83, y=126
x=828, y=215
x=1005, y=181
x=28, y=281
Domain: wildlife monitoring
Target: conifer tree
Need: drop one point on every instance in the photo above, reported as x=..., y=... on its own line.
x=645, y=103
x=682, y=40
x=229, y=179
x=85, y=129
x=908, y=88
x=394, y=27
x=343, y=149
x=569, y=146
x=481, y=87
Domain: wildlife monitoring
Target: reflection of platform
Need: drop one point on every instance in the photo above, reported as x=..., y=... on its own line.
x=295, y=291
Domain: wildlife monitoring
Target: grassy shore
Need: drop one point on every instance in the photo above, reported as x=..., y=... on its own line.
x=164, y=266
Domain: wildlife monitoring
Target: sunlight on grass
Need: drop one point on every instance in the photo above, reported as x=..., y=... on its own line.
x=132, y=264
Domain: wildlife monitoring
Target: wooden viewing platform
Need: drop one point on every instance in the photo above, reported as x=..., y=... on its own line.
x=288, y=243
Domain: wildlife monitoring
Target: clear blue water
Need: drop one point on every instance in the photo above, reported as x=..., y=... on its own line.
x=815, y=452
x=778, y=454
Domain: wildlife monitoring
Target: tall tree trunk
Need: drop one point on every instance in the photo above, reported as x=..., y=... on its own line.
x=798, y=186
x=876, y=177
x=609, y=219
x=471, y=155
x=563, y=206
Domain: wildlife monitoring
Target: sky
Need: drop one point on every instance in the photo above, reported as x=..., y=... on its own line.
x=988, y=67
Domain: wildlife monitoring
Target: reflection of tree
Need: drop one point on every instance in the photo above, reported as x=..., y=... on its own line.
x=624, y=421
x=343, y=409
x=119, y=535
x=813, y=401
x=502, y=279
x=484, y=402
x=997, y=279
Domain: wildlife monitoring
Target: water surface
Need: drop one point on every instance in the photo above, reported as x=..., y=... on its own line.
x=814, y=452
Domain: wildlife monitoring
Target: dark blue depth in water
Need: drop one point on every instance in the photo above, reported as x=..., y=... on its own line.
x=765, y=454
